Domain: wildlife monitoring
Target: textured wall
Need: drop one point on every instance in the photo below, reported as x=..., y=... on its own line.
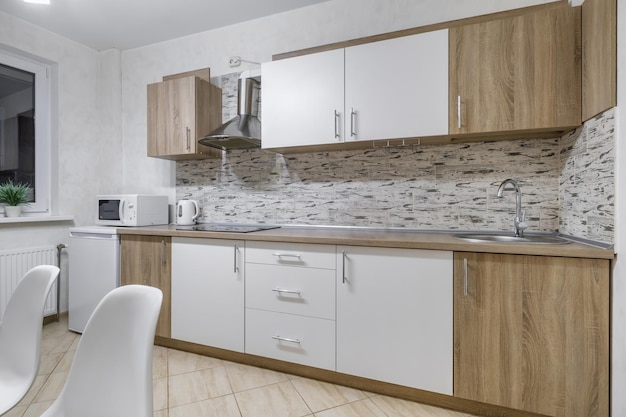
x=587, y=180
x=424, y=187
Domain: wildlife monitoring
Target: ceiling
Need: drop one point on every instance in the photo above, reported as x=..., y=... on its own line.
x=127, y=24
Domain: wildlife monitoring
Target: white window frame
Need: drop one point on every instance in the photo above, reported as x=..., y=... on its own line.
x=43, y=126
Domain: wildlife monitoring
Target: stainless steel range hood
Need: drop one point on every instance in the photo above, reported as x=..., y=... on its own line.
x=243, y=131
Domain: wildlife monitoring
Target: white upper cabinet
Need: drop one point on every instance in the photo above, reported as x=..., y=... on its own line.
x=391, y=89
x=397, y=88
x=303, y=100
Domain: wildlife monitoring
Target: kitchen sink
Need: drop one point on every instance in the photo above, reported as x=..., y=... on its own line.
x=509, y=238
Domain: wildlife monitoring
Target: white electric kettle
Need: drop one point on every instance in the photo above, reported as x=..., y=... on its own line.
x=187, y=212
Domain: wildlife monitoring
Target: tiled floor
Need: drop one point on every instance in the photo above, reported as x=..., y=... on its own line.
x=189, y=385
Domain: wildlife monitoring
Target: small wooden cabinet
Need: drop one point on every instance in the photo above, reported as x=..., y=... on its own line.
x=394, y=316
x=532, y=333
x=181, y=111
x=396, y=88
x=146, y=260
x=208, y=292
x=516, y=74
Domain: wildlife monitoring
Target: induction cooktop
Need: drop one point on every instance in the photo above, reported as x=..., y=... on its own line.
x=231, y=228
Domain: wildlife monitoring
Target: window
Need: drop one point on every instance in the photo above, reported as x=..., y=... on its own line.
x=25, y=138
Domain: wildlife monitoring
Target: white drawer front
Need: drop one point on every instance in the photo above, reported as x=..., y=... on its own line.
x=294, y=290
x=304, y=340
x=294, y=254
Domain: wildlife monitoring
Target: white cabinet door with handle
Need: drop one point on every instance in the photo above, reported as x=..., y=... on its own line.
x=303, y=100
x=395, y=316
x=208, y=292
x=397, y=88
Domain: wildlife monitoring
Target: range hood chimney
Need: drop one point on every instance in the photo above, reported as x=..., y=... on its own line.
x=243, y=131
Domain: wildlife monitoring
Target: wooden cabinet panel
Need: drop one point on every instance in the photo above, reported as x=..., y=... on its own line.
x=599, y=63
x=146, y=260
x=181, y=111
x=394, y=316
x=532, y=333
x=518, y=73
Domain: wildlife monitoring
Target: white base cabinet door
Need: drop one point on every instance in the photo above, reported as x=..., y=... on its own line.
x=395, y=316
x=208, y=292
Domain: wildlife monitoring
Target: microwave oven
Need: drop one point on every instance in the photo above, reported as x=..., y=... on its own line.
x=132, y=210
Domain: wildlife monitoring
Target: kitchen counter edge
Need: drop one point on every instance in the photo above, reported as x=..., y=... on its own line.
x=381, y=238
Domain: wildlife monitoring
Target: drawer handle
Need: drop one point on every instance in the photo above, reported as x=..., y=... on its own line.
x=286, y=255
x=286, y=291
x=286, y=339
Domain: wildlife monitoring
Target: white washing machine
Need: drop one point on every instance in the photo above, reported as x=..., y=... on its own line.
x=94, y=270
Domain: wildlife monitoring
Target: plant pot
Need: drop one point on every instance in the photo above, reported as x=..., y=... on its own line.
x=12, y=211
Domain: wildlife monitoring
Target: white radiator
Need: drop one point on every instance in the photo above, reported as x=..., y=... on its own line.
x=15, y=263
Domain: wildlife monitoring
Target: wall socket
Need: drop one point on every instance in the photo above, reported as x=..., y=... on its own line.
x=234, y=61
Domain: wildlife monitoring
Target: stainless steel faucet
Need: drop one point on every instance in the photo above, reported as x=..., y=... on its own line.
x=520, y=216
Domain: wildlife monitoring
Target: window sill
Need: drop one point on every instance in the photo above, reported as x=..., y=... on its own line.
x=35, y=219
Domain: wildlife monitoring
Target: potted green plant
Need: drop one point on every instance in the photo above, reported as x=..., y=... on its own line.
x=13, y=196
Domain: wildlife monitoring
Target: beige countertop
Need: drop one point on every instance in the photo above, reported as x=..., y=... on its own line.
x=391, y=238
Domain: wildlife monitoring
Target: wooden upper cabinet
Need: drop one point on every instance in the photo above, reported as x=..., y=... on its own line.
x=146, y=260
x=519, y=73
x=532, y=333
x=599, y=63
x=181, y=111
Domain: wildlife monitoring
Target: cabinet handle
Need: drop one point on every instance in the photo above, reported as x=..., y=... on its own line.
x=352, y=123
x=343, y=268
x=337, y=135
x=286, y=255
x=464, y=277
x=188, y=146
x=163, y=253
x=235, y=268
x=286, y=339
x=458, y=112
x=286, y=291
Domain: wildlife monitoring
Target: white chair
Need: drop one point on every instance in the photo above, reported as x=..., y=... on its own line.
x=20, y=334
x=111, y=375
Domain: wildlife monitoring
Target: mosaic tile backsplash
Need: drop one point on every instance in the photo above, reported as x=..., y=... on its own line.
x=567, y=184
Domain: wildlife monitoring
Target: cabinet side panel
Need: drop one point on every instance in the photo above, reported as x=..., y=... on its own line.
x=599, y=56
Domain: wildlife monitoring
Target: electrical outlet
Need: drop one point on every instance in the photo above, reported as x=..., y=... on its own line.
x=234, y=61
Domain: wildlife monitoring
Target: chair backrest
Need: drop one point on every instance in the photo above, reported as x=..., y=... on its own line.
x=20, y=334
x=111, y=374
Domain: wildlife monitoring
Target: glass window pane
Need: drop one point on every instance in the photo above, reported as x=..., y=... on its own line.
x=17, y=126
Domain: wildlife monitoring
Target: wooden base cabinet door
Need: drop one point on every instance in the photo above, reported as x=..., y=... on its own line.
x=208, y=292
x=532, y=333
x=394, y=316
x=146, y=260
